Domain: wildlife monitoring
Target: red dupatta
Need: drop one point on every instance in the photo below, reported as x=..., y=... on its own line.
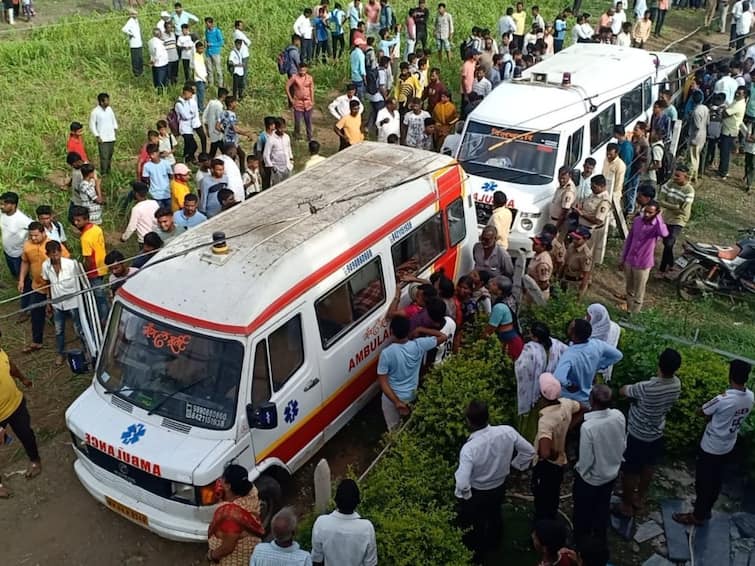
x=233, y=512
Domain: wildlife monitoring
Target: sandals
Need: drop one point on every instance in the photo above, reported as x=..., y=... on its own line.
x=32, y=348
x=687, y=519
x=33, y=470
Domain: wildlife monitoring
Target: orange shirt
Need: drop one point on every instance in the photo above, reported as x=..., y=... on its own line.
x=75, y=144
x=35, y=255
x=93, y=247
x=467, y=75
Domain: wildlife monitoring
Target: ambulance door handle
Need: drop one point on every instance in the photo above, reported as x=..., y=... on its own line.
x=311, y=384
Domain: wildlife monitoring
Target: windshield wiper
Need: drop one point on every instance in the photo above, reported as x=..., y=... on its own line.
x=132, y=389
x=165, y=399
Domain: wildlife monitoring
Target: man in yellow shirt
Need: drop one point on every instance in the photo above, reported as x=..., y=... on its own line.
x=32, y=258
x=349, y=127
x=93, y=255
x=179, y=186
x=14, y=414
x=501, y=218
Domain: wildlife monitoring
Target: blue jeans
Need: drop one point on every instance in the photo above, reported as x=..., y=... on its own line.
x=59, y=317
x=160, y=78
x=14, y=266
x=360, y=89
x=100, y=298
x=201, y=87
x=163, y=202
x=630, y=194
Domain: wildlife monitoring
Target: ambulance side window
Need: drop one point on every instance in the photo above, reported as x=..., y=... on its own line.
x=631, y=105
x=276, y=359
x=457, y=228
x=601, y=128
x=343, y=307
x=647, y=94
x=574, y=149
x=418, y=249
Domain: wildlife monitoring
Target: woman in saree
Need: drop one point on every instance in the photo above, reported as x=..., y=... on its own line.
x=603, y=328
x=540, y=355
x=445, y=117
x=503, y=319
x=236, y=528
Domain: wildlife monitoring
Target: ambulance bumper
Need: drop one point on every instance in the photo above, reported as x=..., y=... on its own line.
x=111, y=491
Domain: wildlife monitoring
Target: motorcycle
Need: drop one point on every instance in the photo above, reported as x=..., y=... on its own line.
x=707, y=268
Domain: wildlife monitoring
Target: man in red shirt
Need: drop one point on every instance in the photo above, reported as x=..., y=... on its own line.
x=75, y=142
x=467, y=74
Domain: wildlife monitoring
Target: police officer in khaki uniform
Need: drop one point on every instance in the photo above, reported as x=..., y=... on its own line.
x=557, y=251
x=578, y=262
x=593, y=215
x=537, y=280
x=563, y=199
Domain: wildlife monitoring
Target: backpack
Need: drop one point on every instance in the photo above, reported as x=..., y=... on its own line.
x=666, y=169
x=284, y=61
x=373, y=80
x=465, y=46
x=172, y=118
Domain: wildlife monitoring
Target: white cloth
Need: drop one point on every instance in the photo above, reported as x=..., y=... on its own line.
x=235, y=180
x=506, y=24
x=157, y=52
x=727, y=412
x=603, y=328
x=393, y=126
x=487, y=457
x=278, y=154
x=142, y=220
x=196, y=121
x=134, y=33
x=601, y=446
x=303, y=27
x=236, y=59
x=102, y=123
x=446, y=349
x=245, y=42
x=618, y=20
x=744, y=23
x=15, y=230
x=211, y=117
x=186, y=43
x=66, y=282
x=728, y=86
x=529, y=366
x=185, y=116
x=340, y=106
x=344, y=540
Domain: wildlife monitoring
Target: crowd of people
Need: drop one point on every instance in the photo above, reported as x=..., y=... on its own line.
x=560, y=401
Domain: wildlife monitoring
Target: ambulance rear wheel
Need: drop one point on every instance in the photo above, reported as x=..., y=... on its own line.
x=271, y=496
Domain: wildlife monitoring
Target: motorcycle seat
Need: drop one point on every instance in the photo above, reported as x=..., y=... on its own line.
x=729, y=253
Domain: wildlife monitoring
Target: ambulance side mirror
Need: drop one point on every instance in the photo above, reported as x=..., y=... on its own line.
x=264, y=417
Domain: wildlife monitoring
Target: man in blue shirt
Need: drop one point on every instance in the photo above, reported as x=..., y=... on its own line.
x=560, y=32
x=188, y=216
x=358, y=67
x=577, y=366
x=399, y=365
x=214, y=39
x=158, y=173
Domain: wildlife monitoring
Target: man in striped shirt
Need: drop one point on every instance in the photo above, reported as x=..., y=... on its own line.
x=652, y=400
x=675, y=198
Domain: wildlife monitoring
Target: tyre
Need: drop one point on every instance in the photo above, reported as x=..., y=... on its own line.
x=691, y=282
x=270, y=495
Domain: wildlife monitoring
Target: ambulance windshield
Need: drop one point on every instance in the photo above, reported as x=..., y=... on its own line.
x=176, y=374
x=506, y=154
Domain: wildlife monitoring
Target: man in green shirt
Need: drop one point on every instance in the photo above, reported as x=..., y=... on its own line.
x=675, y=198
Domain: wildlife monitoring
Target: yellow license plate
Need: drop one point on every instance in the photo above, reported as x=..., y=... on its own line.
x=127, y=512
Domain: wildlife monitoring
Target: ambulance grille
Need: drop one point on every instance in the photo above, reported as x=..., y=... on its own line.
x=175, y=425
x=121, y=404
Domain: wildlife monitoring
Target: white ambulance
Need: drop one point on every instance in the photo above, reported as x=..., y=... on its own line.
x=560, y=112
x=259, y=353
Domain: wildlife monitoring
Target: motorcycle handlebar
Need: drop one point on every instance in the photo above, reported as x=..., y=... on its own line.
x=746, y=230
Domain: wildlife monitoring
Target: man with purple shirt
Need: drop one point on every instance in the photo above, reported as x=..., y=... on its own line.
x=638, y=255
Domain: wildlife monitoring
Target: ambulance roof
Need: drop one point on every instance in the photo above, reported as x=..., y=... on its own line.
x=283, y=235
x=598, y=71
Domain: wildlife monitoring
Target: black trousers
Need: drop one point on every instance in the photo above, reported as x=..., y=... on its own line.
x=202, y=138
x=481, y=514
x=338, y=44
x=667, y=257
x=708, y=477
x=186, y=64
x=37, y=317
x=20, y=423
x=215, y=148
x=238, y=86
x=137, y=61
x=546, y=488
x=592, y=508
x=190, y=148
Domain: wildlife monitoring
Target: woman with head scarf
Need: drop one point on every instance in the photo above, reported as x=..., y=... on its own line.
x=540, y=355
x=235, y=528
x=503, y=320
x=603, y=328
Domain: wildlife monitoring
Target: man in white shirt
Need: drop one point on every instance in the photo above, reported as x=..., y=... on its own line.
x=62, y=275
x=340, y=106
x=232, y=171
x=199, y=68
x=14, y=225
x=103, y=125
x=742, y=25
x=727, y=84
x=134, y=34
x=601, y=450
x=158, y=60
x=278, y=155
x=619, y=17
x=388, y=121
x=343, y=538
x=186, y=115
x=142, y=219
x=303, y=28
x=181, y=17
x=236, y=64
x=726, y=413
x=238, y=33
x=484, y=464
x=210, y=117
x=506, y=23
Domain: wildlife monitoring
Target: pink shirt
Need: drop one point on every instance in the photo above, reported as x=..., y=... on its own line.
x=142, y=220
x=372, y=11
x=467, y=75
x=302, y=89
x=639, y=247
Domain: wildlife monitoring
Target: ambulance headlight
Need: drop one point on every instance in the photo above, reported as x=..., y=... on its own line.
x=183, y=492
x=527, y=224
x=79, y=443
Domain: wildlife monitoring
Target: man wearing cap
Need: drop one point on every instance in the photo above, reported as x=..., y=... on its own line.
x=578, y=261
x=340, y=106
x=357, y=63
x=134, y=34
x=550, y=443
x=537, y=280
x=164, y=18
x=676, y=198
x=179, y=186
x=563, y=200
x=593, y=214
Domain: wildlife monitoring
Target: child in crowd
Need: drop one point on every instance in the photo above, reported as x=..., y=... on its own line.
x=75, y=142
x=167, y=142
x=90, y=195
x=252, y=176
x=153, y=137
x=314, y=155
